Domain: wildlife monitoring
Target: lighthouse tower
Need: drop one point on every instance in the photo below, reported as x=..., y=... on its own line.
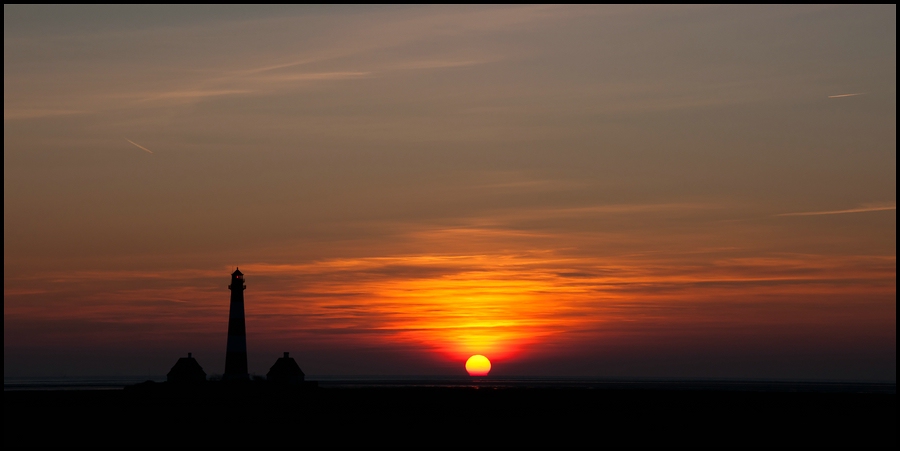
x=236, y=354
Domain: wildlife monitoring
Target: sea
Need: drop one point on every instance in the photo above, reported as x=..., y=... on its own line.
x=488, y=382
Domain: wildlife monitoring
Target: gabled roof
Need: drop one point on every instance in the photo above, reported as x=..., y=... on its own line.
x=186, y=369
x=285, y=370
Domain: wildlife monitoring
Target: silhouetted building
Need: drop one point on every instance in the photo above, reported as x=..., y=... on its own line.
x=186, y=371
x=285, y=371
x=236, y=353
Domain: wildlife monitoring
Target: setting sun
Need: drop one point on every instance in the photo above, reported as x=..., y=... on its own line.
x=478, y=365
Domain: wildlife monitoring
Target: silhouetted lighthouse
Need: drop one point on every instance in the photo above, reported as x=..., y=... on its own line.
x=236, y=354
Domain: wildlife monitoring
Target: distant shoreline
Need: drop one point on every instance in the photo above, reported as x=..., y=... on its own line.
x=117, y=383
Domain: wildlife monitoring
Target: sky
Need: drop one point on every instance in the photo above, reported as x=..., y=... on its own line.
x=579, y=191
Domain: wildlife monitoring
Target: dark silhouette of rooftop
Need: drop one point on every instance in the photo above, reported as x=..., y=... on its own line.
x=186, y=371
x=285, y=371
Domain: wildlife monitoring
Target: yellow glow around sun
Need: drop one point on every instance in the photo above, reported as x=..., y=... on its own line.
x=478, y=365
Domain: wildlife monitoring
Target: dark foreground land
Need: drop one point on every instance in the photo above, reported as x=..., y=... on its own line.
x=157, y=415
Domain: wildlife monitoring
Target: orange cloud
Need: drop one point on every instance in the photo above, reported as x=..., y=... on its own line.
x=498, y=304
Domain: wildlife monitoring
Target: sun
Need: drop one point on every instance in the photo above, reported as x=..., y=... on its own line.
x=478, y=365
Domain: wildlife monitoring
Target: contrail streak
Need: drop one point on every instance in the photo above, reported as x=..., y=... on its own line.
x=846, y=95
x=840, y=212
x=138, y=145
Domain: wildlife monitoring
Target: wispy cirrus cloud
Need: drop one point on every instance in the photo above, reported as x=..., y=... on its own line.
x=344, y=54
x=192, y=94
x=26, y=113
x=863, y=209
x=838, y=96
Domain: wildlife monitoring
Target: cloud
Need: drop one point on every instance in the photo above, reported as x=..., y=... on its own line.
x=194, y=94
x=863, y=209
x=38, y=113
x=316, y=76
x=138, y=145
x=438, y=64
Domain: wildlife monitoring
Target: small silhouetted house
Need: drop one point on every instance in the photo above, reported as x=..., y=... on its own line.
x=186, y=371
x=285, y=371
